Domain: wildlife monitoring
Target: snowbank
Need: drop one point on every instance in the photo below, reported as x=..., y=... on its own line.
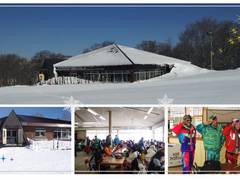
x=39, y=157
x=49, y=145
x=203, y=87
x=182, y=70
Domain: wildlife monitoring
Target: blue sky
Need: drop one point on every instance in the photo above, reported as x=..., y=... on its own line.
x=49, y=112
x=69, y=30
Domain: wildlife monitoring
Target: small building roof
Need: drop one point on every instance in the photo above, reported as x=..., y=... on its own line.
x=114, y=55
x=39, y=121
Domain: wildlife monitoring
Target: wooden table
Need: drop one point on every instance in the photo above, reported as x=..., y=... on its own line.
x=112, y=161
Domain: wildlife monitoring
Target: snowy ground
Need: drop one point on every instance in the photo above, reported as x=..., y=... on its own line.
x=38, y=158
x=186, y=84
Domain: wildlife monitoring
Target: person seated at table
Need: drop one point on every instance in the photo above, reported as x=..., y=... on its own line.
x=131, y=154
x=107, y=150
x=151, y=151
x=139, y=163
x=156, y=164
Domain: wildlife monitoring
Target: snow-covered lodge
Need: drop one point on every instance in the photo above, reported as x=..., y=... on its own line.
x=16, y=129
x=115, y=63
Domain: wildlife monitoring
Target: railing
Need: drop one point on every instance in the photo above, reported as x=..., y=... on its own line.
x=105, y=77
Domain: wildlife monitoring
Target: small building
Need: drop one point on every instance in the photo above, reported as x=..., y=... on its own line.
x=115, y=63
x=15, y=130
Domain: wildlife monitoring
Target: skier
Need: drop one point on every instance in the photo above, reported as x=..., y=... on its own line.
x=186, y=133
x=212, y=136
x=232, y=134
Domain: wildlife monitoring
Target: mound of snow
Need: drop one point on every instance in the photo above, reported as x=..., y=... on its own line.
x=39, y=157
x=180, y=70
x=45, y=145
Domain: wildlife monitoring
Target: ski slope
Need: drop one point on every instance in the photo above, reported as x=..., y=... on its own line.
x=185, y=85
x=37, y=158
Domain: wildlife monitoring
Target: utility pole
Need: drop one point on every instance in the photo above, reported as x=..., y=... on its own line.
x=211, y=48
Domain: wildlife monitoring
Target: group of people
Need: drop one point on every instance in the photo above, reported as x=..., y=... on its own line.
x=214, y=137
x=142, y=156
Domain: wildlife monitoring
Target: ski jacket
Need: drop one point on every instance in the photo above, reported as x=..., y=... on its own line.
x=186, y=137
x=230, y=134
x=213, y=138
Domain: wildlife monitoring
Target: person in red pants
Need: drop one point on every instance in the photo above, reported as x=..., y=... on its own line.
x=186, y=134
x=232, y=144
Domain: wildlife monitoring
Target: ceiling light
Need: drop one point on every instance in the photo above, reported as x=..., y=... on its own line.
x=145, y=117
x=102, y=118
x=150, y=110
x=90, y=122
x=92, y=112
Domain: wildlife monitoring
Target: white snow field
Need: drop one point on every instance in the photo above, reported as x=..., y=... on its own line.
x=214, y=87
x=185, y=84
x=40, y=157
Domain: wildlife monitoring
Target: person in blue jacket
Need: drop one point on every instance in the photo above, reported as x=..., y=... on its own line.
x=116, y=140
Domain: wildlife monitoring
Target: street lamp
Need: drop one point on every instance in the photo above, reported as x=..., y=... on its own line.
x=210, y=34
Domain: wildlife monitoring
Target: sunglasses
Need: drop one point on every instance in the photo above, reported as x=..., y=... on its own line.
x=237, y=122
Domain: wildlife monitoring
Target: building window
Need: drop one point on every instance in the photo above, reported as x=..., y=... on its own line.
x=62, y=134
x=40, y=132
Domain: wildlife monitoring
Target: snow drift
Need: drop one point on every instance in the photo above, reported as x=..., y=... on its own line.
x=39, y=157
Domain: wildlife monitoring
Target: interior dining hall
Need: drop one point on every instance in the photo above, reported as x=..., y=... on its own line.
x=213, y=148
x=119, y=140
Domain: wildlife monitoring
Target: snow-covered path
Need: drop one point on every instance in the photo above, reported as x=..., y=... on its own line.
x=35, y=160
x=210, y=87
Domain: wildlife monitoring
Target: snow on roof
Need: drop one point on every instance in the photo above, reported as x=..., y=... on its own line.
x=39, y=121
x=106, y=56
x=114, y=55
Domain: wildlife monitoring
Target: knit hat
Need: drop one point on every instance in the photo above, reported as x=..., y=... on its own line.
x=212, y=116
x=235, y=120
x=185, y=117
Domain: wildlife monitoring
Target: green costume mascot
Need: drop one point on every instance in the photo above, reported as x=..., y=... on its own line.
x=212, y=136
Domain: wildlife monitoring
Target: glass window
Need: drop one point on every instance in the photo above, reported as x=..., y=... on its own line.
x=62, y=134
x=127, y=134
x=40, y=132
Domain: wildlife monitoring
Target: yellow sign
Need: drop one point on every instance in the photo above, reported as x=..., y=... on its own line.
x=41, y=77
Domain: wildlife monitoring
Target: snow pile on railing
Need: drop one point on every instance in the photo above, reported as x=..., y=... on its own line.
x=65, y=80
x=46, y=145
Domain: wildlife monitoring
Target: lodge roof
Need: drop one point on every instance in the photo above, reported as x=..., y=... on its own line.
x=115, y=55
x=25, y=119
x=36, y=119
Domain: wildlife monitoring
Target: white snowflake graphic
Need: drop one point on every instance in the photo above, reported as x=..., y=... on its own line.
x=70, y=102
x=165, y=101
